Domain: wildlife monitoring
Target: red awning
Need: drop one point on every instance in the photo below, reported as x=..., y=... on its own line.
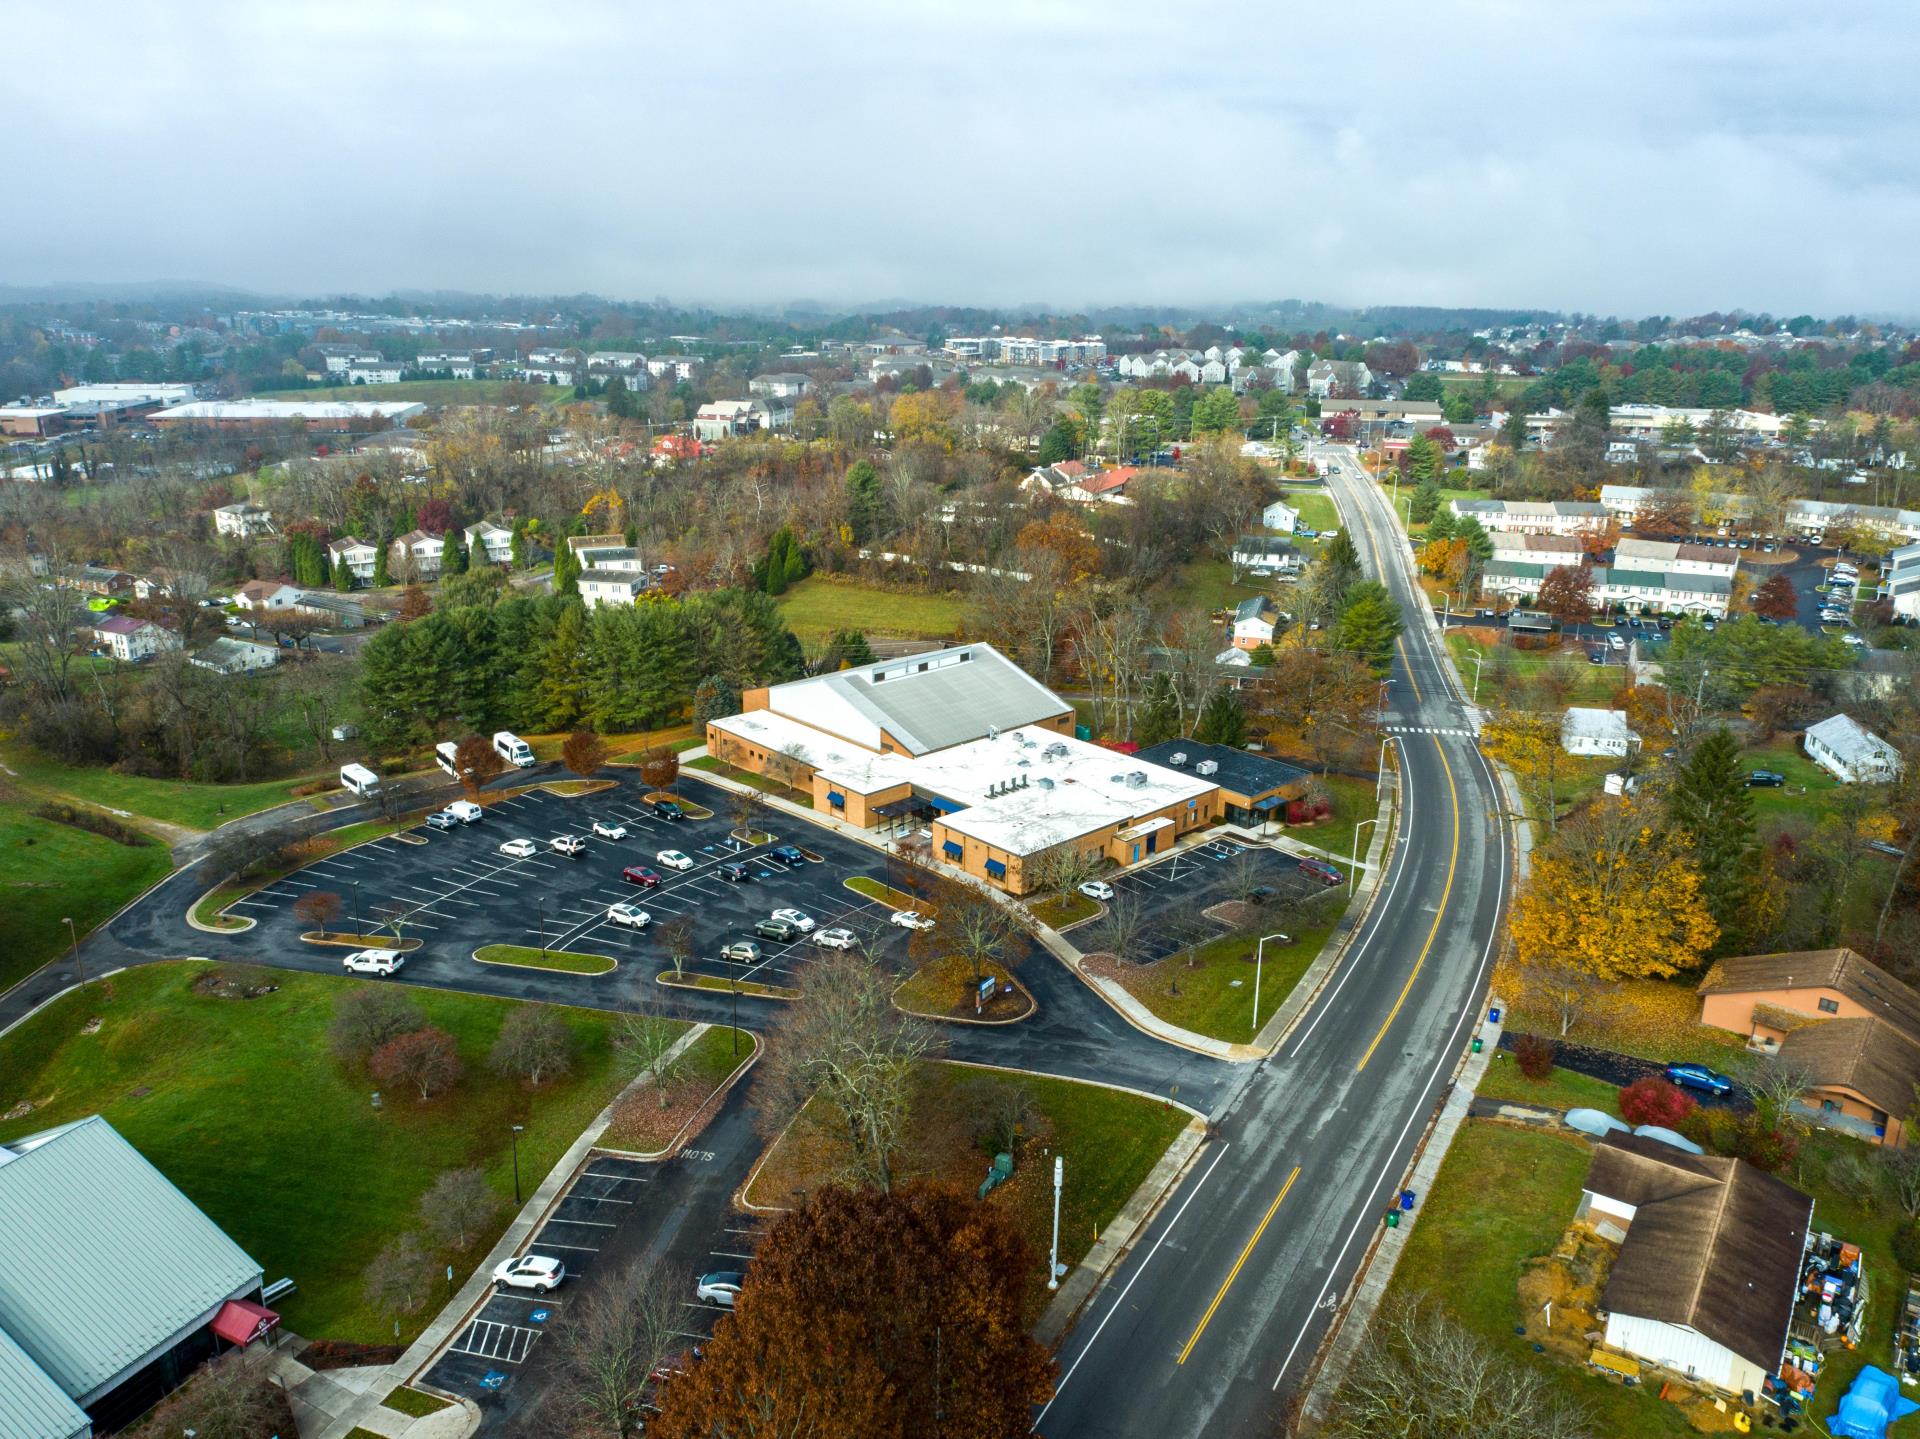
x=241, y=1321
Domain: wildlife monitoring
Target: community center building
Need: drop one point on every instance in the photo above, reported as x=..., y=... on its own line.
x=966, y=742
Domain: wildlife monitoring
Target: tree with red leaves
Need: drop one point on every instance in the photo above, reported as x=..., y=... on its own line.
x=1567, y=592
x=871, y=1315
x=425, y=1058
x=1776, y=599
x=1655, y=1101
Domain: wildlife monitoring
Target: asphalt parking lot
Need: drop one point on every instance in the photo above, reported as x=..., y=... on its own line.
x=457, y=891
x=1173, y=893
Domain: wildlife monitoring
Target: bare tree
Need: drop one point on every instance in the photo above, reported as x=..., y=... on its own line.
x=458, y=1206
x=847, y=1046
x=534, y=1043
x=233, y=1397
x=1779, y=1085
x=646, y=1040
x=367, y=1017
x=394, y=919
x=401, y=1277
x=1420, y=1372
x=1902, y=1166
x=610, y=1342
x=748, y=806
x=980, y=930
x=1061, y=871
x=317, y=908
x=677, y=937
x=1122, y=930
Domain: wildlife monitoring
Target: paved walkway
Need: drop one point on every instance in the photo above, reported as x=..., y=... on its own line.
x=326, y=1400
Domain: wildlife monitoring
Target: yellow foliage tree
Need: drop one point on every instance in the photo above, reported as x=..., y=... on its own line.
x=1613, y=898
x=924, y=418
x=1437, y=556
x=1528, y=744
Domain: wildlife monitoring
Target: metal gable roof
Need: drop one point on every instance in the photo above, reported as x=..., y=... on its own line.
x=130, y=1261
x=32, y=1406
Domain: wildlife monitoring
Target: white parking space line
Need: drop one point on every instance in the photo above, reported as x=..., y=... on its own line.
x=556, y=1244
x=596, y=1223
x=250, y=904
x=299, y=884
x=728, y=1254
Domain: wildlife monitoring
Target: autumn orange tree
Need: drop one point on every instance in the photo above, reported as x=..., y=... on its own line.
x=478, y=762
x=1079, y=555
x=870, y=1315
x=584, y=752
x=1528, y=744
x=1614, y=896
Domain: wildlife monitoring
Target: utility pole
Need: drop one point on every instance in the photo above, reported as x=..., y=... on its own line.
x=1054, y=1268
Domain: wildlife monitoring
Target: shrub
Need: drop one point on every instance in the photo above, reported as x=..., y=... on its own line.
x=94, y=822
x=1534, y=1054
x=365, y=1019
x=1906, y=1244
x=1763, y=1145
x=425, y=1059
x=1655, y=1101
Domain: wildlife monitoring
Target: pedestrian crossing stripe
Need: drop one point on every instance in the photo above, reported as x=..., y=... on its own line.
x=1420, y=729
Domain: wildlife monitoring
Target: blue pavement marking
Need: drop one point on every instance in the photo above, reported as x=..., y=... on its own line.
x=493, y=1380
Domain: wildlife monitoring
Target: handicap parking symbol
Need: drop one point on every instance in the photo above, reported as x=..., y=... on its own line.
x=495, y=1378
x=539, y=1316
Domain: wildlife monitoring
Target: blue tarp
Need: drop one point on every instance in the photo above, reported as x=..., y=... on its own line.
x=1869, y=1406
x=1594, y=1121
x=1667, y=1136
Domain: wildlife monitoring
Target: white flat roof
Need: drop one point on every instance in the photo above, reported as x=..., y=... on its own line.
x=291, y=410
x=110, y=394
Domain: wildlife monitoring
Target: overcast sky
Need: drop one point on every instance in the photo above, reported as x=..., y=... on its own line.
x=1630, y=157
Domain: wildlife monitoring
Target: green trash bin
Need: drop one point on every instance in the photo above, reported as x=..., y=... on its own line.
x=1476, y=1044
x=1393, y=1219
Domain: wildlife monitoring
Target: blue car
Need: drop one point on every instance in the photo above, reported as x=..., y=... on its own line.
x=788, y=853
x=1698, y=1076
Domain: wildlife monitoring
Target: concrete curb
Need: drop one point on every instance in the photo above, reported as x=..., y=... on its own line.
x=1113, y=1245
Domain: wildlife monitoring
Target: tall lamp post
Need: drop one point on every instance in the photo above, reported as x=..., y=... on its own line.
x=1354, y=862
x=1259, y=960
x=516, y=1162
x=1054, y=1267
x=74, y=935
x=1479, y=662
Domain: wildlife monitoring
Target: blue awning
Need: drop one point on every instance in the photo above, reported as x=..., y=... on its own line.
x=996, y=869
x=952, y=849
x=836, y=799
x=944, y=806
x=1272, y=801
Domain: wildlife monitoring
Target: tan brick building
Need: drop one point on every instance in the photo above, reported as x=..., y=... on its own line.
x=967, y=744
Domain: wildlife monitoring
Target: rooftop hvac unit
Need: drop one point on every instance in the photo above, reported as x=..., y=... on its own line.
x=1045, y=783
x=1116, y=779
x=1207, y=766
x=1178, y=757
x=1023, y=763
x=1017, y=737
x=1137, y=779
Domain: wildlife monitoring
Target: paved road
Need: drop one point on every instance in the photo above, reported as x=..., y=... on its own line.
x=1210, y=1323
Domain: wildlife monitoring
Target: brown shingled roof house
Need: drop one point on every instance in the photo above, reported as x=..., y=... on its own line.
x=1853, y=1027
x=1705, y=1280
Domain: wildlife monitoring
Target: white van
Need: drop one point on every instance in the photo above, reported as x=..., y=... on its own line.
x=445, y=754
x=466, y=811
x=361, y=780
x=514, y=750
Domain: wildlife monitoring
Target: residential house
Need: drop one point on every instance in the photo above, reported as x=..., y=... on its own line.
x=1682, y=559
x=338, y=357
x=130, y=639
x=101, y=580
x=1265, y=555
x=336, y=610
x=611, y=587
x=1109, y=486
x=1850, y=752
x=242, y=520
x=1521, y=547
x=375, y=372
x=496, y=540
x=362, y=558
x=674, y=367
x=416, y=555
x=230, y=656
x=1902, y=581
x=607, y=553
x=1542, y=517
x=266, y=595
x=1850, y=1027
x=1597, y=731
x=722, y=419
x=1708, y=1269
x=1658, y=592
x=1063, y=480
x=1327, y=379
x=629, y=366
x=1281, y=516
x=1255, y=619
x=779, y=385
x=1816, y=517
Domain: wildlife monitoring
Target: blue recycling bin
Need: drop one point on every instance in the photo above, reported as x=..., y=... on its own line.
x=1493, y=1014
x=1406, y=1199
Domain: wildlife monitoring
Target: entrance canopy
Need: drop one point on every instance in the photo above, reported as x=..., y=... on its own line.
x=241, y=1321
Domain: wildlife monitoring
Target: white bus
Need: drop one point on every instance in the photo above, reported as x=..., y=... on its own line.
x=444, y=754
x=361, y=780
x=514, y=750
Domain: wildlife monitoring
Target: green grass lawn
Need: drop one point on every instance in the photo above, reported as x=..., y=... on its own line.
x=1589, y=684
x=1805, y=794
x=822, y=604
x=747, y=777
x=727, y=986
x=414, y=1403
x=1208, y=584
x=51, y=871
x=874, y=889
x=1562, y=1089
x=241, y=1105
x=1354, y=803
x=1215, y=996
x=428, y=392
x=1316, y=506
x=527, y=956
x=1467, y=1254
x=1058, y=911
x=182, y=802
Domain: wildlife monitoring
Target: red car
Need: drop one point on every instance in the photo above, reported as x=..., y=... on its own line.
x=639, y=874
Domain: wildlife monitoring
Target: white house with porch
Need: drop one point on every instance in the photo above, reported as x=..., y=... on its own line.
x=1850, y=752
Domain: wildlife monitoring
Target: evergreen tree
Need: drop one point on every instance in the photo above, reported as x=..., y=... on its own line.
x=1440, y=527
x=1222, y=721
x=519, y=553
x=784, y=564
x=1217, y=412
x=382, y=546
x=1711, y=805
x=453, y=554
x=713, y=699
x=1367, y=624
x=1161, y=719
x=1423, y=459
x=619, y=399
x=630, y=536
x=1424, y=503
x=1060, y=442
x=566, y=572
x=561, y=689
x=846, y=648
x=476, y=555
x=342, y=575
x=865, y=503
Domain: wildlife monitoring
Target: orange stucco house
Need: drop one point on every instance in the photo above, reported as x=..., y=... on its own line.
x=1850, y=1025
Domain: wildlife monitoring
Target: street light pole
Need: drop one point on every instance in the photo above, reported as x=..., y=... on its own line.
x=359, y=925
x=1479, y=662
x=1353, y=863
x=540, y=908
x=516, y=1162
x=1259, y=961
x=1446, y=607
x=74, y=935
x=1053, y=1257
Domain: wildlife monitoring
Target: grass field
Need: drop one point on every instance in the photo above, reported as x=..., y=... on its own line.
x=725, y=986
x=1316, y=507
x=414, y=1403
x=526, y=956
x=429, y=392
x=182, y=802
x=1214, y=997
x=1111, y=1139
x=747, y=777
x=1502, y=669
x=1562, y=1089
x=1209, y=585
x=1057, y=912
x=51, y=871
x=821, y=604
x=240, y=1104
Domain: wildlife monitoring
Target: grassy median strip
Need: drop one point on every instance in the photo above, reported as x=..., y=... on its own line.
x=414, y=1403
x=899, y=899
x=945, y=988
x=1057, y=911
x=565, y=961
x=724, y=986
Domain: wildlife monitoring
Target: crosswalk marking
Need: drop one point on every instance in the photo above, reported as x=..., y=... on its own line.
x=1428, y=729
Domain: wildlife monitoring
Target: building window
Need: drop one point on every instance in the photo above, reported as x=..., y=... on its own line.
x=997, y=868
x=951, y=849
x=1829, y=1006
x=836, y=799
x=1829, y=1106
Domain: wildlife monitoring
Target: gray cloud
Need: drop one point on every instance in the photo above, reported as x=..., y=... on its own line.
x=1626, y=157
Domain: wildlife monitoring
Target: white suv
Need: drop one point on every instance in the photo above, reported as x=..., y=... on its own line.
x=372, y=961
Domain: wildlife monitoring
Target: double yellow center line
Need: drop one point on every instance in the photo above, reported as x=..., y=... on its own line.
x=1234, y=1273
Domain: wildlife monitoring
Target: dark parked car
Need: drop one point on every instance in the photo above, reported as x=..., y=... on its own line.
x=735, y=873
x=779, y=929
x=667, y=809
x=789, y=853
x=1765, y=779
x=1698, y=1076
x=1321, y=871
x=639, y=874
x=1261, y=893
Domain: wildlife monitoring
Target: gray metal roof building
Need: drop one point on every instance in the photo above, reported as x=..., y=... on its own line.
x=131, y=1271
